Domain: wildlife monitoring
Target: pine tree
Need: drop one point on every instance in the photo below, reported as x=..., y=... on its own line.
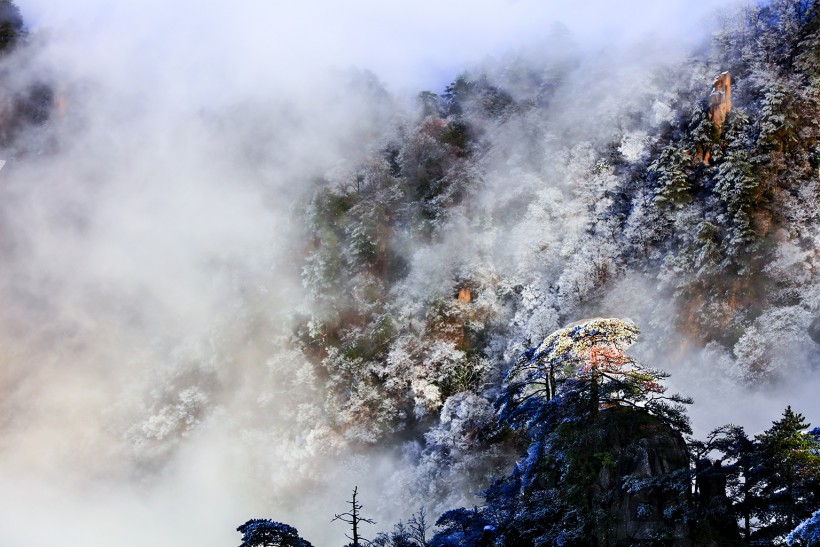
x=411, y=534
x=807, y=533
x=593, y=355
x=789, y=473
x=581, y=402
x=807, y=60
x=269, y=533
x=668, y=174
x=459, y=527
x=737, y=188
x=741, y=463
x=703, y=134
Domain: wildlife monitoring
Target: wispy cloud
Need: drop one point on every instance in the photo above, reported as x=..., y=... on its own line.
x=148, y=245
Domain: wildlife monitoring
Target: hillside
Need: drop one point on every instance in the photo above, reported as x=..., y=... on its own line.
x=289, y=291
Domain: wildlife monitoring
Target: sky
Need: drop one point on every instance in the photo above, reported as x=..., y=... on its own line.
x=141, y=239
x=409, y=45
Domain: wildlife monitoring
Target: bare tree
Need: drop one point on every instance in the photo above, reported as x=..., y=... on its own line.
x=419, y=527
x=354, y=518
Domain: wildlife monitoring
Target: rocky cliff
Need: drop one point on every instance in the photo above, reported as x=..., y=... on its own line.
x=720, y=99
x=643, y=481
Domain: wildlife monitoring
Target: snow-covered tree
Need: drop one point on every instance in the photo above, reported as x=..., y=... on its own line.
x=593, y=354
x=668, y=173
x=807, y=533
x=269, y=533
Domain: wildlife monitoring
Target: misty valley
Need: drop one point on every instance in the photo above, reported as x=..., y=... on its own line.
x=569, y=298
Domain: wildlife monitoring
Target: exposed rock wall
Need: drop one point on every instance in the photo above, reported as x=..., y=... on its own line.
x=648, y=459
x=720, y=103
x=720, y=99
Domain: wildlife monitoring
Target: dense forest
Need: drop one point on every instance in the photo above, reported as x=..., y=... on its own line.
x=466, y=278
x=517, y=220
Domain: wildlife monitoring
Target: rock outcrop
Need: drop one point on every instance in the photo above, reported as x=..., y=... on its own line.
x=648, y=461
x=719, y=105
x=720, y=99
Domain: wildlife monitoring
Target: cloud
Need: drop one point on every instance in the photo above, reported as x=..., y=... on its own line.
x=148, y=245
x=223, y=49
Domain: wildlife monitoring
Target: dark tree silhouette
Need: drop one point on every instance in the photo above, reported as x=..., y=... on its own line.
x=354, y=518
x=269, y=533
x=411, y=534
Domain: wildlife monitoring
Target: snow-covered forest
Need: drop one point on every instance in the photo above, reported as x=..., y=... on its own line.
x=229, y=306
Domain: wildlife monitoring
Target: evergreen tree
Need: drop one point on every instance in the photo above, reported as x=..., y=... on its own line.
x=703, y=135
x=778, y=123
x=740, y=464
x=459, y=527
x=807, y=533
x=668, y=173
x=807, y=60
x=593, y=354
x=582, y=403
x=269, y=533
x=789, y=474
x=411, y=534
x=737, y=188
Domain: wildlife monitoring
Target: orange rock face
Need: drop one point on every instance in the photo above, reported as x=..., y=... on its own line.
x=720, y=100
